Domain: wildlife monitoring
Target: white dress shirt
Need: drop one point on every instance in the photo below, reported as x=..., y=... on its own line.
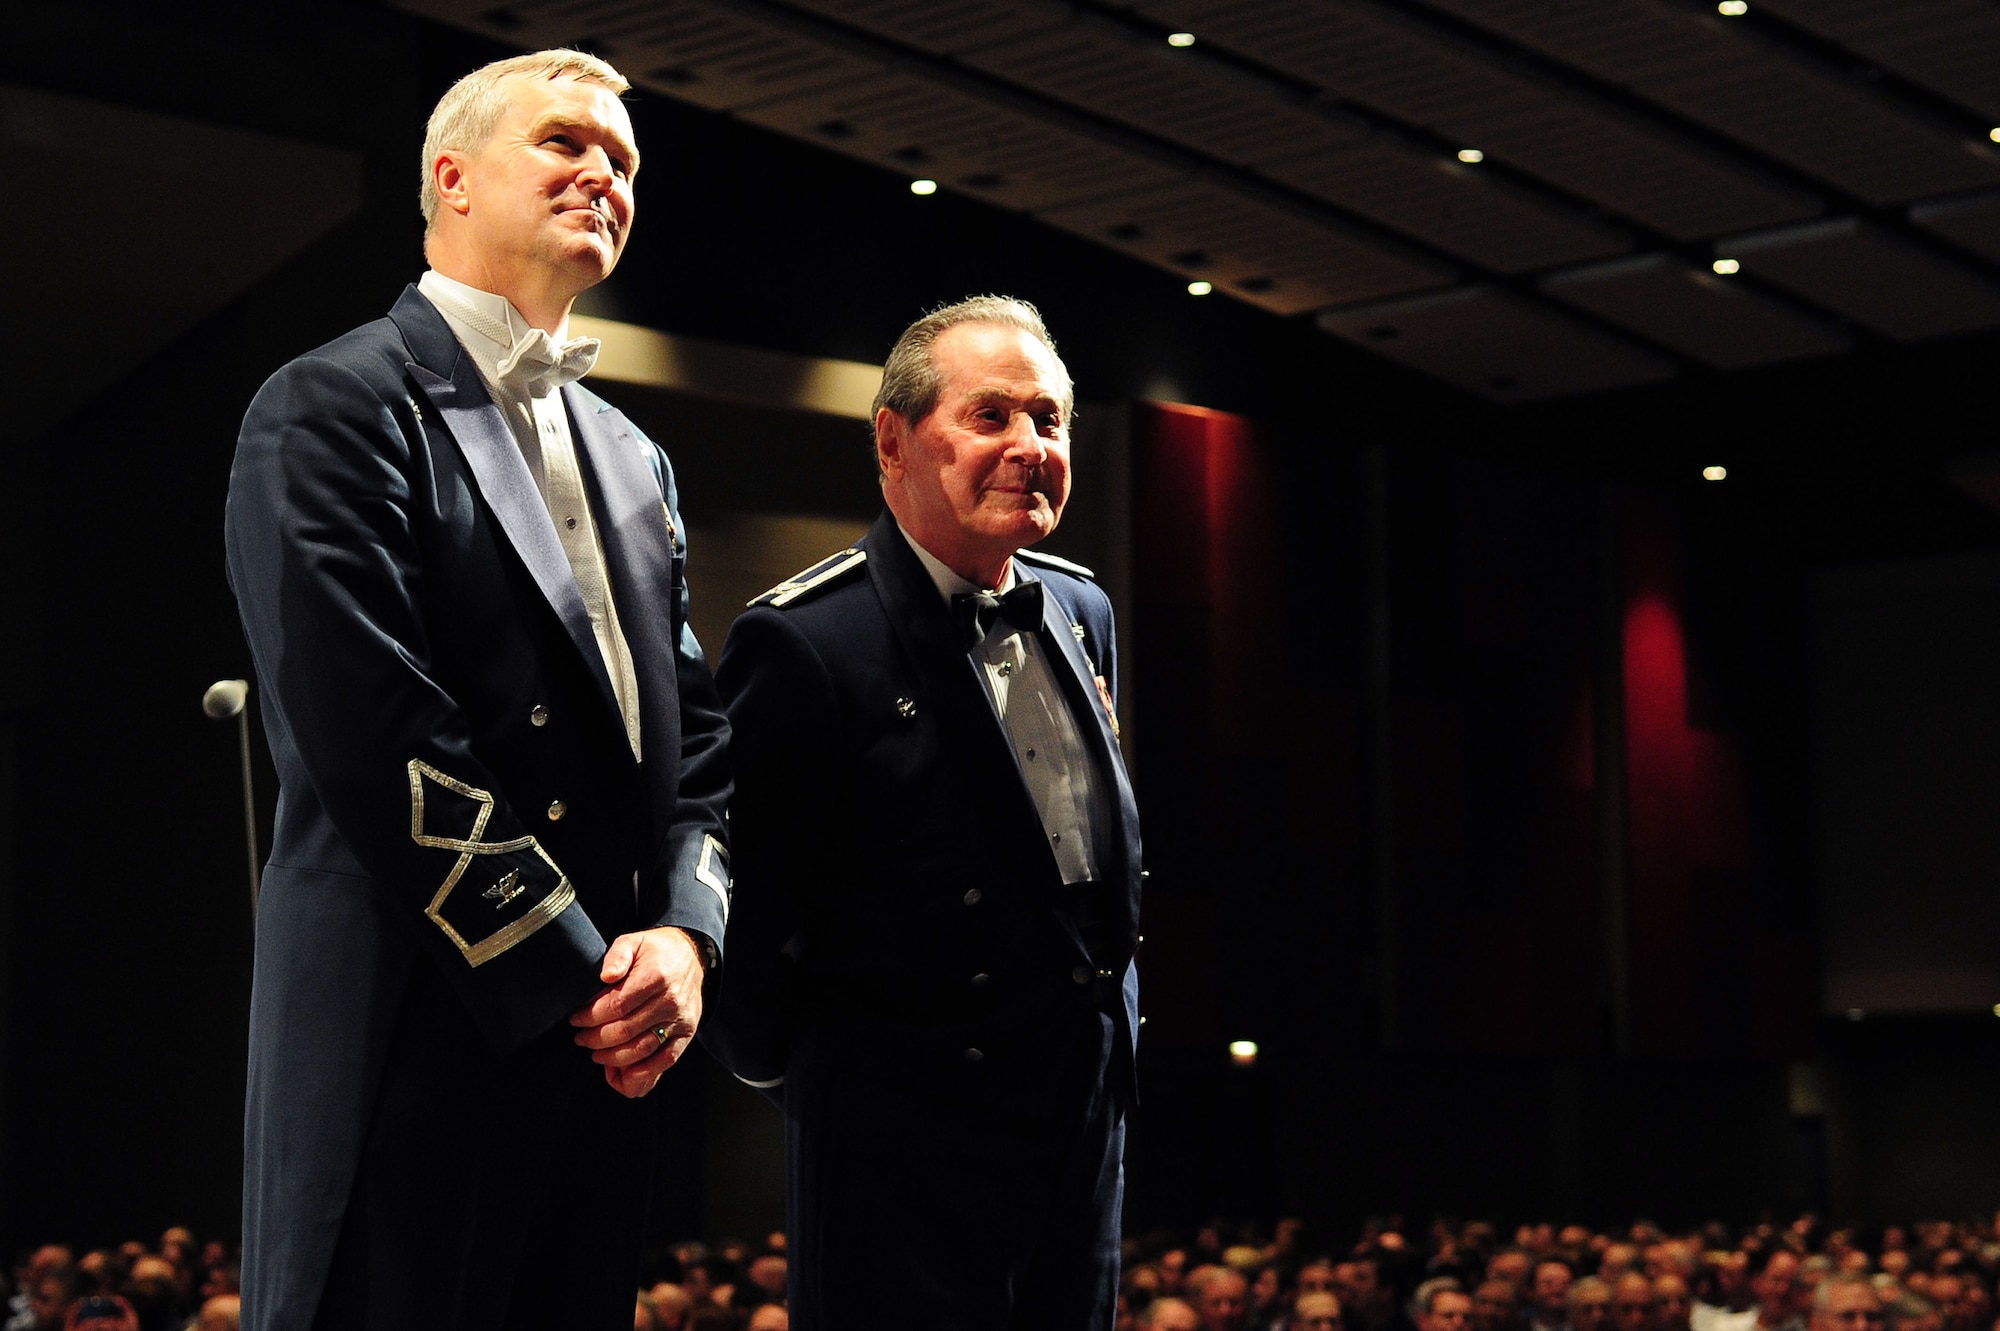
x=495, y=335
x=1049, y=748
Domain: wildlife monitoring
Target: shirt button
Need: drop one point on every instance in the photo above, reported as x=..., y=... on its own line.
x=570, y=523
x=1057, y=838
x=1080, y=974
x=972, y=896
x=557, y=810
x=973, y=1055
x=1006, y=669
x=981, y=978
x=539, y=716
x=1031, y=755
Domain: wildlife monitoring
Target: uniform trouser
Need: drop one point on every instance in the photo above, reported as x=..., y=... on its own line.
x=990, y=1204
x=493, y=1193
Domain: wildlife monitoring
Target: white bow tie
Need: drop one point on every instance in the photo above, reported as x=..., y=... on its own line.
x=539, y=363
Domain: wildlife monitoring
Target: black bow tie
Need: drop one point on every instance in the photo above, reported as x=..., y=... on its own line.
x=977, y=612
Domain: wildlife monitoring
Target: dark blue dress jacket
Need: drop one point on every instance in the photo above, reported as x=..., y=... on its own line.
x=456, y=786
x=900, y=967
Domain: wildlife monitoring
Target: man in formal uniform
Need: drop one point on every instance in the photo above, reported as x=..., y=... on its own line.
x=938, y=852
x=499, y=869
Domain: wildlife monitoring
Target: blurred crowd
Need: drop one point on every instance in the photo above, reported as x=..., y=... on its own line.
x=177, y=1286
x=1452, y=1276
x=1470, y=1276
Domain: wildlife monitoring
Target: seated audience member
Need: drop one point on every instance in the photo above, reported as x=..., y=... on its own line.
x=1846, y=1303
x=1512, y=1265
x=1548, y=1296
x=1673, y=1303
x=1316, y=1311
x=1317, y=1277
x=50, y=1297
x=1588, y=1304
x=219, y=1312
x=1618, y=1259
x=1632, y=1303
x=767, y=1276
x=1366, y=1300
x=1726, y=1302
x=1270, y=1292
x=1496, y=1306
x=1776, y=1289
x=670, y=1306
x=153, y=1289
x=1221, y=1297
x=1910, y=1313
x=1441, y=1304
x=1168, y=1313
x=770, y=1317
x=101, y=1312
x=643, y=1316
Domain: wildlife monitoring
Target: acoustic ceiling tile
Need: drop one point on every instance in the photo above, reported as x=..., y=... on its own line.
x=1711, y=319
x=1496, y=345
x=1972, y=222
x=1460, y=209
x=1871, y=276
x=1266, y=255
x=989, y=151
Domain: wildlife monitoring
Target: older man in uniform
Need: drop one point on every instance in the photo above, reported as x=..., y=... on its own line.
x=499, y=868
x=938, y=852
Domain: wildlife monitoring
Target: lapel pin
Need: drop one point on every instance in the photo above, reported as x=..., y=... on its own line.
x=906, y=707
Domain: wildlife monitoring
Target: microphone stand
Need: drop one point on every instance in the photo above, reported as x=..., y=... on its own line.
x=224, y=699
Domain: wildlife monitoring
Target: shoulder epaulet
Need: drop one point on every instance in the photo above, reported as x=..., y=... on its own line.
x=814, y=577
x=1054, y=561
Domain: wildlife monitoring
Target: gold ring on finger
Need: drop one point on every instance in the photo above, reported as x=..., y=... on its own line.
x=660, y=1034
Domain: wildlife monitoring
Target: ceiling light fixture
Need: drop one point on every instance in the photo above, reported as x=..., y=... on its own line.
x=1715, y=473
x=1471, y=156
x=1732, y=8
x=1724, y=267
x=923, y=187
x=1243, y=1053
x=1200, y=288
x=1994, y=134
x=1180, y=39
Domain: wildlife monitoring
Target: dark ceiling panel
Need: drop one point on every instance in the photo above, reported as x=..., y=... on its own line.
x=1704, y=317
x=1263, y=254
x=703, y=53
x=1397, y=184
x=1972, y=222
x=1564, y=137
x=1721, y=75
x=1951, y=47
x=1156, y=90
x=912, y=125
x=947, y=27
x=1496, y=345
x=1460, y=209
x=1356, y=54
x=1875, y=278
x=1655, y=180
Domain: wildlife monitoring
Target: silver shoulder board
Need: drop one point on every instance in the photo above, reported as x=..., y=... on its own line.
x=1054, y=561
x=792, y=588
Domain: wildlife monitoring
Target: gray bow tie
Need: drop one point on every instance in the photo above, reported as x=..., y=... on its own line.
x=539, y=364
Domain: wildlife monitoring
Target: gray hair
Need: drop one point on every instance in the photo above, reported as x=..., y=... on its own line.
x=470, y=110
x=1426, y=1294
x=1823, y=1296
x=910, y=379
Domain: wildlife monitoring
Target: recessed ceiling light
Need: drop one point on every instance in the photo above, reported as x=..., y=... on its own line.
x=1994, y=134
x=1471, y=156
x=1724, y=267
x=1200, y=288
x=1180, y=39
x=1243, y=1053
x=1732, y=8
x=923, y=187
x=1715, y=473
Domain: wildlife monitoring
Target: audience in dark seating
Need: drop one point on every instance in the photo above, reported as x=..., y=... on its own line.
x=1934, y=1276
